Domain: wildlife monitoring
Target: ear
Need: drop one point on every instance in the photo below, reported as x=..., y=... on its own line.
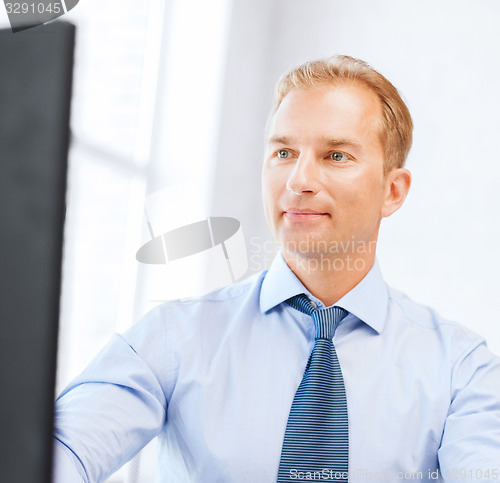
x=397, y=185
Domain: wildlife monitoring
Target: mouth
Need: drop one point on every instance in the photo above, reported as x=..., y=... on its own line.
x=303, y=214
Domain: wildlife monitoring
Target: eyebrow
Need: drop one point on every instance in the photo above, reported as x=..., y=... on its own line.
x=327, y=141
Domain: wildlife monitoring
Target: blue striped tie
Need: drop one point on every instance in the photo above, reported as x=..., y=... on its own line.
x=317, y=435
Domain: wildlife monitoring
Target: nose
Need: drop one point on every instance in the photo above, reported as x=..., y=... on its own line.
x=305, y=176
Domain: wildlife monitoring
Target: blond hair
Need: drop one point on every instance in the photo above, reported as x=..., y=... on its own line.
x=396, y=124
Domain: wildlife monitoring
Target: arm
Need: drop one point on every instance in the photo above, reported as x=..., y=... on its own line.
x=111, y=411
x=67, y=466
x=470, y=448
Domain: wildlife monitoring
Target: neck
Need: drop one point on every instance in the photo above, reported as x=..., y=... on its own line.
x=329, y=278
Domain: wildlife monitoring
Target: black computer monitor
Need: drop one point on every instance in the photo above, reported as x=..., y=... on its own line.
x=35, y=93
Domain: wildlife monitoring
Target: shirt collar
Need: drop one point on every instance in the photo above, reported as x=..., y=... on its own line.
x=368, y=300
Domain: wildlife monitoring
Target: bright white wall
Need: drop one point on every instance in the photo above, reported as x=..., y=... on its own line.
x=441, y=248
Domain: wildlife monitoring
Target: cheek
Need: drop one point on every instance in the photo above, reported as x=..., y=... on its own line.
x=269, y=196
x=271, y=183
x=359, y=196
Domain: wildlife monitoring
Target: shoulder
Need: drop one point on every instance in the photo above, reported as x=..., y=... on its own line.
x=426, y=320
x=217, y=304
x=182, y=328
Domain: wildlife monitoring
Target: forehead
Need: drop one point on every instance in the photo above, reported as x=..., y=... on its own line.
x=346, y=110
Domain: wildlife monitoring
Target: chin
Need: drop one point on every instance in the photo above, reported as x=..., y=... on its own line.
x=306, y=245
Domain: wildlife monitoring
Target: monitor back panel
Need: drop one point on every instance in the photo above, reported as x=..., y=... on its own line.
x=35, y=93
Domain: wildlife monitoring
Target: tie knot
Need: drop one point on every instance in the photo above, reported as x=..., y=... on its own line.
x=325, y=320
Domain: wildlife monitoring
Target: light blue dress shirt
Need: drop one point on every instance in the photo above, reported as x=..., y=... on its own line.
x=214, y=379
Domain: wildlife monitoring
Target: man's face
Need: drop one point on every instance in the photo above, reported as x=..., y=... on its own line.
x=323, y=171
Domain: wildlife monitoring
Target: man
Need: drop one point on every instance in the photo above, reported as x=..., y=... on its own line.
x=314, y=369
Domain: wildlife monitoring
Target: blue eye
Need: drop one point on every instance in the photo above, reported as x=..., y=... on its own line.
x=283, y=153
x=338, y=157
